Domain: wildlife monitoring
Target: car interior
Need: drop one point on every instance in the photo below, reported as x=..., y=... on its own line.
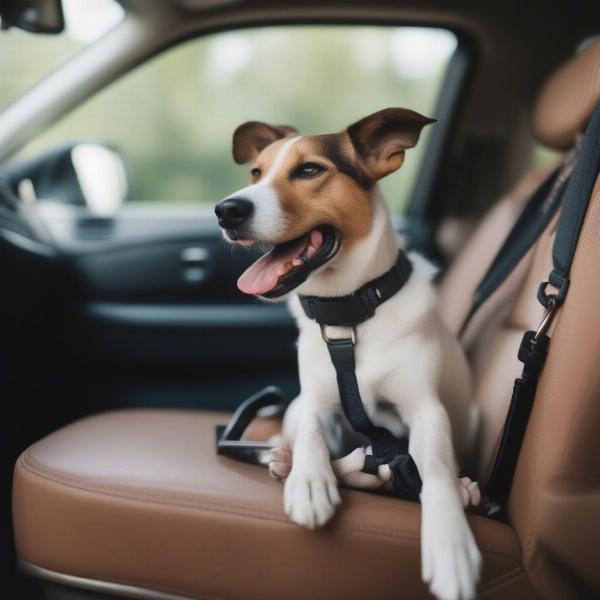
x=126, y=342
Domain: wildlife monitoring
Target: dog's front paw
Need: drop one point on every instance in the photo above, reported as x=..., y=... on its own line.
x=450, y=559
x=310, y=499
x=469, y=492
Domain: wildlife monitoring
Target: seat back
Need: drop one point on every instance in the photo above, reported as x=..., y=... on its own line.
x=555, y=497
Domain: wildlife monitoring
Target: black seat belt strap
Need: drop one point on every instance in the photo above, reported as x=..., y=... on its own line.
x=575, y=203
x=535, y=344
x=533, y=220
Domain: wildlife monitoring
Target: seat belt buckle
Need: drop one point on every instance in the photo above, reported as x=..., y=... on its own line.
x=228, y=438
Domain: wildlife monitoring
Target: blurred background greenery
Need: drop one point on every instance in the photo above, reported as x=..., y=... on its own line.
x=173, y=117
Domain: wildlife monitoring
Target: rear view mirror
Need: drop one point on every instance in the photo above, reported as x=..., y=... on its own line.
x=35, y=16
x=102, y=178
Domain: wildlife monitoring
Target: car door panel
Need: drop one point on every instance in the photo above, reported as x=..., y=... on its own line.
x=153, y=291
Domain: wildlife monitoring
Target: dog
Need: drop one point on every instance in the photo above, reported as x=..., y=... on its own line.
x=314, y=200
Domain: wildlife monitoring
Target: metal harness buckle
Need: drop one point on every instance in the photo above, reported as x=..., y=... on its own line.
x=547, y=319
x=328, y=339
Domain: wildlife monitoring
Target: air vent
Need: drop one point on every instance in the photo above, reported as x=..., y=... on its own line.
x=12, y=222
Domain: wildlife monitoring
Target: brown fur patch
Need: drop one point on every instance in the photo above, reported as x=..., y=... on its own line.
x=264, y=161
x=381, y=139
x=334, y=197
x=251, y=138
x=338, y=150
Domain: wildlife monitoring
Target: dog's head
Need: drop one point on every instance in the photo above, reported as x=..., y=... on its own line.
x=311, y=197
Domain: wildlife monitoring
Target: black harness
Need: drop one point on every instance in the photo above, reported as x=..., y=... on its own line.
x=343, y=311
x=350, y=311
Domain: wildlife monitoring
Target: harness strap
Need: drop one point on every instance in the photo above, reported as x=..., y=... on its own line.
x=349, y=311
x=535, y=344
x=387, y=449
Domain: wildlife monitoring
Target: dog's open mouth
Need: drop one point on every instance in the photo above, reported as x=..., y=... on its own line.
x=287, y=265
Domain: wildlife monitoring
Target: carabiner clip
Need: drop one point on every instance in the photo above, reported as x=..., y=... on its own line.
x=547, y=320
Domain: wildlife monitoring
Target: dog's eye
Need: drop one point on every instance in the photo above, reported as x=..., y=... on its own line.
x=308, y=170
x=256, y=173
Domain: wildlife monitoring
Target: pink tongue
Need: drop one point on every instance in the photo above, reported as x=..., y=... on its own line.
x=261, y=277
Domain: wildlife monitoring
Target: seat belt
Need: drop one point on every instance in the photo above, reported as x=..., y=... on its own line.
x=528, y=227
x=534, y=345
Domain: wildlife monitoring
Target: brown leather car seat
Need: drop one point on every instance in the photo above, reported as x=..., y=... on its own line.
x=135, y=502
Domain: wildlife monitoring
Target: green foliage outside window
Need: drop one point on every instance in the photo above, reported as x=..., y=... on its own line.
x=173, y=117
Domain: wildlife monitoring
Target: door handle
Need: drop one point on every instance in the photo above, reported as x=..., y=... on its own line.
x=194, y=254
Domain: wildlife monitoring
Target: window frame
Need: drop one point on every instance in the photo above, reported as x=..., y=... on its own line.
x=419, y=219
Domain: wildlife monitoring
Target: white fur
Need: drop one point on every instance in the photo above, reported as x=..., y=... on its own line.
x=405, y=355
x=268, y=222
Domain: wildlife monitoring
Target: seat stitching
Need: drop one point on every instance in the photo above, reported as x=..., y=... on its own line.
x=497, y=582
x=490, y=586
x=150, y=586
x=110, y=483
x=210, y=506
x=33, y=466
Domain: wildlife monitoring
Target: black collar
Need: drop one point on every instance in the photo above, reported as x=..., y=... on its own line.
x=349, y=311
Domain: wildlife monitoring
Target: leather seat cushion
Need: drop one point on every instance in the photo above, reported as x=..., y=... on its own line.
x=140, y=497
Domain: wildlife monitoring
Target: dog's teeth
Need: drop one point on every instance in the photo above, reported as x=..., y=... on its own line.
x=283, y=269
x=297, y=262
x=311, y=251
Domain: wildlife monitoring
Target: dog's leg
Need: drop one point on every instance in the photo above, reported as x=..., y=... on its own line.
x=450, y=559
x=310, y=492
x=469, y=492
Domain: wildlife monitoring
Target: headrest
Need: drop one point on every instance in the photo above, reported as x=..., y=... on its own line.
x=567, y=100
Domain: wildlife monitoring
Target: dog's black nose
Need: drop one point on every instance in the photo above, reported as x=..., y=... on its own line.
x=233, y=212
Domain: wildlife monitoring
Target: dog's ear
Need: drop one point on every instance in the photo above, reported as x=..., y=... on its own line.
x=381, y=138
x=252, y=137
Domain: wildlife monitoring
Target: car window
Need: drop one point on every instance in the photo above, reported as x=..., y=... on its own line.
x=25, y=58
x=173, y=117
x=543, y=156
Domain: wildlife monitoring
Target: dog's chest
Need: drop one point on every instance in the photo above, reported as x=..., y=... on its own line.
x=377, y=353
